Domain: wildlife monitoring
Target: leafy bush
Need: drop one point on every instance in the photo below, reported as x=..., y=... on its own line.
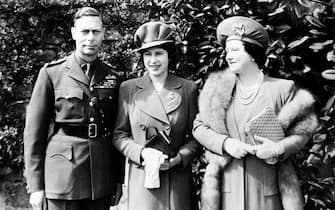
x=302, y=49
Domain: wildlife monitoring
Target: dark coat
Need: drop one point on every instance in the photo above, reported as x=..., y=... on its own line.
x=173, y=111
x=71, y=166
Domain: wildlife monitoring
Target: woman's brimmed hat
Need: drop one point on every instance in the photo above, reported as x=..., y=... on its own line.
x=153, y=34
x=244, y=29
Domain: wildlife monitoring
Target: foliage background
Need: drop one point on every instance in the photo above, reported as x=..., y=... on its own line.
x=302, y=32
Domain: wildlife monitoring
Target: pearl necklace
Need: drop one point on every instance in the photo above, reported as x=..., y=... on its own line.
x=246, y=95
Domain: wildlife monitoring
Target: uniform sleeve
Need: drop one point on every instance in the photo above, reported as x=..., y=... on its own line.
x=191, y=147
x=38, y=118
x=122, y=137
x=207, y=137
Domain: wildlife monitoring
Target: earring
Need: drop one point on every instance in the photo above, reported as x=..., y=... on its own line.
x=252, y=60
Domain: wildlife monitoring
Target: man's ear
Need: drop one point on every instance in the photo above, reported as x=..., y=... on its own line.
x=73, y=33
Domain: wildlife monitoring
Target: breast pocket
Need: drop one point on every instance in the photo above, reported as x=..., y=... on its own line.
x=59, y=168
x=69, y=104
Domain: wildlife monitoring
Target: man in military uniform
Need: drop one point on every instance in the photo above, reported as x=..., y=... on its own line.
x=74, y=165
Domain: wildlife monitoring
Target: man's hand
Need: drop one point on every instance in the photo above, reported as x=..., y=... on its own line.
x=36, y=200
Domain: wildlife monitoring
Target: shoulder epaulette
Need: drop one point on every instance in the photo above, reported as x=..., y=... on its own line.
x=52, y=63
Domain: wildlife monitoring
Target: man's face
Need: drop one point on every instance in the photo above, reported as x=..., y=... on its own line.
x=88, y=32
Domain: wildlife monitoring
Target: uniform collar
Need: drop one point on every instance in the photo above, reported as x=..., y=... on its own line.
x=76, y=72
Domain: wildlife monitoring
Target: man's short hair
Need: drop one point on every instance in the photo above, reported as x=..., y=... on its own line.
x=86, y=11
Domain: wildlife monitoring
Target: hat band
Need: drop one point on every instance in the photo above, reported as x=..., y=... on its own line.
x=246, y=39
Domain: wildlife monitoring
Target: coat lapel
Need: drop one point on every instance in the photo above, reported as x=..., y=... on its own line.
x=148, y=100
x=74, y=69
x=171, y=96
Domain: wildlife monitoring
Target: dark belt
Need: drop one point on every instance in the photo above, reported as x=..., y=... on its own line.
x=82, y=131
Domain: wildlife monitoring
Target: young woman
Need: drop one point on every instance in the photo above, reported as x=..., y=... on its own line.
x=154, y=127
x=247, y=171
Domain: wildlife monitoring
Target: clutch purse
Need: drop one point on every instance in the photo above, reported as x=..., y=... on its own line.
x=159, y=140
x=265, y=124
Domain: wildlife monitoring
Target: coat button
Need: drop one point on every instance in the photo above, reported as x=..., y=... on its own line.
x=90, y=103
x=91, y=88
x=91, y=119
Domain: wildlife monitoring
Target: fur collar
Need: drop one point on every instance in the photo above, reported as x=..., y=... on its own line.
x=297, y=116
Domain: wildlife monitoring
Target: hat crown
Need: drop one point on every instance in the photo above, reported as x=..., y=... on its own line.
x=244, y=29
x=153, y=34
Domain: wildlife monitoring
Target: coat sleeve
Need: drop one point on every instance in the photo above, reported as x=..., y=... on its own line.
x=122, y=137
x=207, y=137
x=191, y=148
x=38, y=118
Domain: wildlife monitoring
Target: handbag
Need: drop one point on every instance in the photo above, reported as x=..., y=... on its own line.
x=267, y=125
x=158, y=139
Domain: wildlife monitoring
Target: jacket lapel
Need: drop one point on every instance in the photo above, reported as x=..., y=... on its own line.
x=100, y=72
x=171, y=96
x=148, y=100
x=74, y=69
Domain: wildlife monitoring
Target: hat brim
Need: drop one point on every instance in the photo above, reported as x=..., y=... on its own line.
x=152, y=44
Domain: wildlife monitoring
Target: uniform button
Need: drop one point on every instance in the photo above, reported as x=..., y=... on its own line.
x=91, y=119
x=91, y=88
x=90, y=103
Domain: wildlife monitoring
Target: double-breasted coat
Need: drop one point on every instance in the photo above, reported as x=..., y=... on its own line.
x=172, y=110
x=66, y=161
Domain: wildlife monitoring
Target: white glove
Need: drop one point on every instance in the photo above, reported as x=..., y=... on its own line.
x=148, y=153
x=36, y=200
x=237, y=149
x=152, y=161
x=269, y=149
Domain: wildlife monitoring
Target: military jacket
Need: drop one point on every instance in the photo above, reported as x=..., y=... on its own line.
x=77, y=165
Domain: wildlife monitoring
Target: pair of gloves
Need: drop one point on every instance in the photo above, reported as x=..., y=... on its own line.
x=268, y=150
x=154, y=161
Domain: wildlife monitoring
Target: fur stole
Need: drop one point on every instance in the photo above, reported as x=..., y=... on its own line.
x=297, y=118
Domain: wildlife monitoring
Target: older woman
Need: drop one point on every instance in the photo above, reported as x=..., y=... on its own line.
x=154, y=127
x=247, y=171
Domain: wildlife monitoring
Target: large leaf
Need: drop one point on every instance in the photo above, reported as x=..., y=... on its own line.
x=282, y=28
x=320, y=45
x=297, y=43
x=315, y=22
x=329, y=74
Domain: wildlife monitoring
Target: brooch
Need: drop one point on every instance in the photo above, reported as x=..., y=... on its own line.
x=239, y=29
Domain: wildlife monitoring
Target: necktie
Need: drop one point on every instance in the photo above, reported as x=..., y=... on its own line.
x=88, y=70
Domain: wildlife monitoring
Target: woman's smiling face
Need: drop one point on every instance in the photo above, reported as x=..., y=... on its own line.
x=156, y=61
x=237, y=57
